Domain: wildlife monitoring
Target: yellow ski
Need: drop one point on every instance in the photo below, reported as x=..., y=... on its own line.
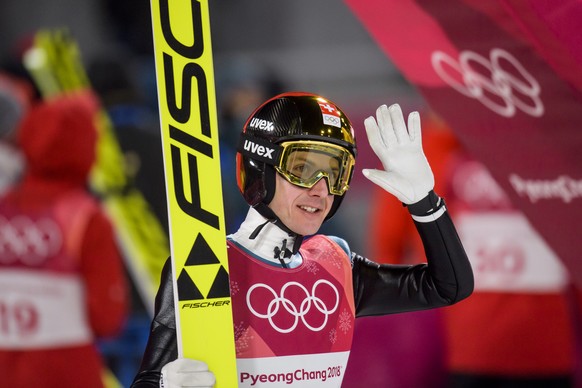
x=185, y=81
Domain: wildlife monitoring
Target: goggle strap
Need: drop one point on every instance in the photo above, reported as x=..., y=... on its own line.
x=259, y=149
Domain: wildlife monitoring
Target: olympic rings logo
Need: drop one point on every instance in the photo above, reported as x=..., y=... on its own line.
x=30, y=242
x=331, y=120
x=280, y=302
x=506, y=85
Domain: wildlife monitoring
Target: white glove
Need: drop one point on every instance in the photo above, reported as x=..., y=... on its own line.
x=185, y=372
x=407, y=174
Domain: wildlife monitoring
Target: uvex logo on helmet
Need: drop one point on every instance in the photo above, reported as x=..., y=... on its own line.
x=264, y=125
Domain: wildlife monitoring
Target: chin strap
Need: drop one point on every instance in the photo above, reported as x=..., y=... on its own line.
x=258, y=230
x=266, y=212
x=283, y=252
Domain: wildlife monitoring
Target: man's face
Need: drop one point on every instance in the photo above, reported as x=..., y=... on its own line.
x=302, y=210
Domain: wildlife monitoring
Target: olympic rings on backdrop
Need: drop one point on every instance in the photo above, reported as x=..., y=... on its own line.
x=30, y=242
x=298, y=312
x=499, y=82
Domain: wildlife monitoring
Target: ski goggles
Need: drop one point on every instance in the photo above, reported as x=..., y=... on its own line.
x=303, y=163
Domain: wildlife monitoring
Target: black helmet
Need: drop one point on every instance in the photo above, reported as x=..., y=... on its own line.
x=296, y=118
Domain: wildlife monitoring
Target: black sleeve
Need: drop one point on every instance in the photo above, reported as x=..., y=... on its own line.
x=446, y=279
x=162, y=346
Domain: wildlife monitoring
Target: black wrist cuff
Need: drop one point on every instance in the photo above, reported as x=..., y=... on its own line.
x=426, y=206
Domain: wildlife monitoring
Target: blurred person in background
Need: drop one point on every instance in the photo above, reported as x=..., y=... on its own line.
x=241, y=85
x=62, y=283
x=518, y=328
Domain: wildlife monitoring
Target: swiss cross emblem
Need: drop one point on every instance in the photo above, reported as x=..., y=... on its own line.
x=327, y=108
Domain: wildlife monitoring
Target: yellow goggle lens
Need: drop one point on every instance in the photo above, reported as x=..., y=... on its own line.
x=304, y=163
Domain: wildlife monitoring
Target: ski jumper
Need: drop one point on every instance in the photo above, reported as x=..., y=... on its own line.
x=364, y=288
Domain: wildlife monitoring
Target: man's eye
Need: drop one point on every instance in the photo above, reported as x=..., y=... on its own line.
x=299, y=169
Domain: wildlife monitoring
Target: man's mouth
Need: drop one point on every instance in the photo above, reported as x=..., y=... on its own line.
x=309, y=209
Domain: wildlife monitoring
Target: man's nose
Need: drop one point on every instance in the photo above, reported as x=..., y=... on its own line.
x=320, y=188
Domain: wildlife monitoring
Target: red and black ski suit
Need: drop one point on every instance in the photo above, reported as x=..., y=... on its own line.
x=445, y=279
